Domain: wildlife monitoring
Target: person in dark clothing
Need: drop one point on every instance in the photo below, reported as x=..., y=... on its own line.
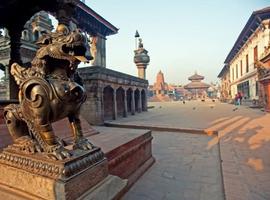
x=236, y=99
x=240, y=97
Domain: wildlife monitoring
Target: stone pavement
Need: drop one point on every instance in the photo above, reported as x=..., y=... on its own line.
x=244, y=141
x=193, y=114
x=184, y=169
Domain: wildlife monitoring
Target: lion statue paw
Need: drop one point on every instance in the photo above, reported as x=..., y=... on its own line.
x=83, y=144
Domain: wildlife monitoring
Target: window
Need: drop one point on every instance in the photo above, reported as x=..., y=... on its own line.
x=241, y=68
x=232, y=73
x=257, y=88
x=247, y=67
x=255, y=51
x=244, y=89
x=236, y=71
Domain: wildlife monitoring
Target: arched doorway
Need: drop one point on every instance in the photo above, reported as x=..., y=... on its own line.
x=143, y=96
x=108, y=102
x=129, y=100
x=137, y=100
x=120, y=96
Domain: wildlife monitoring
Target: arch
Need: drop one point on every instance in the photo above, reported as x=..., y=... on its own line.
x=144, y=100
x=129, y=100
x=120, y=101
x=108, y=102
x=137, y=100
x=36, y=35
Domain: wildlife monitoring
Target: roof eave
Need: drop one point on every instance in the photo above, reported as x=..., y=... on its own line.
x=247, y=28
x=222, y=72
x=112, y=28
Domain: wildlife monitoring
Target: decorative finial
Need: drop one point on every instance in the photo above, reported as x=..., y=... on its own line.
x=137, y=34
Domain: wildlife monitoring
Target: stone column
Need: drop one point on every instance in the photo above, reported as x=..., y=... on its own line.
x=133, y=102
x=93, y=108
x=125, y=104
x=114, y=105
x=141, y=71
x=15, y=56
x=98, y=51
x=101, y=97
x=141, y=59
x=140, y=103
x=64, y=14
x=7, y=80
x=145, y=101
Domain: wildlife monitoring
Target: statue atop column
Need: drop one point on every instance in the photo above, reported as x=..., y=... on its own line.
x=141, y=58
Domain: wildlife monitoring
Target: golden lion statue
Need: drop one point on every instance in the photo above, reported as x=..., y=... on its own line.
x=49, y=90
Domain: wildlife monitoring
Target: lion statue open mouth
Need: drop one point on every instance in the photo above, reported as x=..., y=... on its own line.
x=49, y=90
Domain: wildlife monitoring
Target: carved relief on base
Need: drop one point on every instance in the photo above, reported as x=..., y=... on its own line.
x=38, y=163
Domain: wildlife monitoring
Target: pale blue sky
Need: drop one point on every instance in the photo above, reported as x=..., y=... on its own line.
x=181, y=36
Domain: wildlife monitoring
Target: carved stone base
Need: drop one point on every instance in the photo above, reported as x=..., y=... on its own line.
x=33, y=177
x=39, y=164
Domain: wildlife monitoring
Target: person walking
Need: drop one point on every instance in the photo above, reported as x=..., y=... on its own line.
x=240, y=97
x=236, y=99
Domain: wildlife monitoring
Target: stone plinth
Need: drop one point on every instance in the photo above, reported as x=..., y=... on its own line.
x=35, y=177
x=129, y=151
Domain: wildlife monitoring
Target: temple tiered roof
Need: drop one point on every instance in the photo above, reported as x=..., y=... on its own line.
x=195, y=77
x=196, y=82
x=197, y=85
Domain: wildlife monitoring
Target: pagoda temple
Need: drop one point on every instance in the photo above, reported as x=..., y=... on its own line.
x=197, y=88
x=160, y=89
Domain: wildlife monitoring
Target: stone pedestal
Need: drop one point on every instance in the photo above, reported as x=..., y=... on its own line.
x=83, y=176
x=128, y=152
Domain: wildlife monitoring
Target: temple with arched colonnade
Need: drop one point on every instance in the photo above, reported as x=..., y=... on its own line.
x=112, y=94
